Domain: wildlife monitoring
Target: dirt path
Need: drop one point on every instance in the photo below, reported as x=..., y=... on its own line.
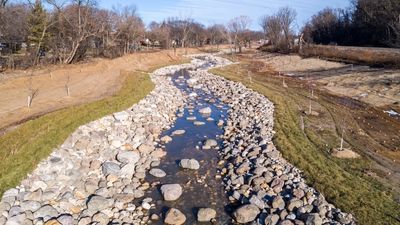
x=87, y=82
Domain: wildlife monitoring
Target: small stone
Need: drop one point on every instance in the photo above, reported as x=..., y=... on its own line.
x=146, y=205
x=154, y=217
x=206, y=110
x=198, y=123
x=191, y=118
x=246, y=213
x=271, y=219
x=166, y=139
x=174, y=217
x=178, y=132
x=278, y=202
x=189, y=164
x=66, y=219
x=97, y=203
x=52, y=222
x=314, y=219
x=157, y=172
x=206, y=214
x=110, y=168
x=171, y=192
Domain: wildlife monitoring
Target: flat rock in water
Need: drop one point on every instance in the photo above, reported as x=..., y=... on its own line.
x=206, y=214
x=178, y=132
x=166, y=139
x=171, y=192
x=191, y=164
x=157, y=172
x=209, y=143
x=191, y=118
x=198, y=123
x=246, y=213
x=206, y=110
x=174, y=217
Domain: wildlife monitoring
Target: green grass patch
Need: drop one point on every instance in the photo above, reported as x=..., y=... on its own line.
x=23, y=148
x=342, y=181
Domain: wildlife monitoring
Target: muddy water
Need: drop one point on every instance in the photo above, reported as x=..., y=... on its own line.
x=201, y=188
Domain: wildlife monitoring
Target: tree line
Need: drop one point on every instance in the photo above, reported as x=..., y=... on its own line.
x=365, y=23
x=54, y=31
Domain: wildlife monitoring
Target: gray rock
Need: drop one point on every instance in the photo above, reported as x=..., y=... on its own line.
x=174, y=217
x=30, y=206
x=66, y=219
x=191, y=164
x=206, y=214
x=97, y=203
x=101, y=218
x=128, y=157
x=110, y=168
x=246, y=213
x=157, y=172
x=46, y=211
x=171, y=192
x=15, y=210
x=16, y=220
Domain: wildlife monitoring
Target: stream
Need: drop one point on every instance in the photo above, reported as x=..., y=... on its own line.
x=201, y=189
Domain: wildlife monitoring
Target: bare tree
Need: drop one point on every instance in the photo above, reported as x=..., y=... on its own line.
x=32, y=91
x=279, y=28
x=81, y=22
x=287, y=17
x=3, y=3
x=238, y=26
x=129, y=27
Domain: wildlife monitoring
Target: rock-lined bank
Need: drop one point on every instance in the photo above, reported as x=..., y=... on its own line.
x=266, y=188
x=100, y=169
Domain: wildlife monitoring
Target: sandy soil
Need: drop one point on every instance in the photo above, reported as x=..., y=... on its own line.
x=376, y=86
x=87, y=82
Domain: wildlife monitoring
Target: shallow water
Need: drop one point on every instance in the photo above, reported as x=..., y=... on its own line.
x=200, y=188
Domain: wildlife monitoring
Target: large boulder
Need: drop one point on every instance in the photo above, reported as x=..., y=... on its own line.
x=171, y=192
x=246, y=213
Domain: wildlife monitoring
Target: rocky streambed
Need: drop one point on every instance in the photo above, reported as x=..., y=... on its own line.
x=196, y=149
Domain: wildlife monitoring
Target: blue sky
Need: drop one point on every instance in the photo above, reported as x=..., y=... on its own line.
x=221, y=11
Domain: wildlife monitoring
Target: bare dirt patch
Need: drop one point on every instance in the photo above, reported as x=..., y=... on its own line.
x=376, y=86
x=86, y=82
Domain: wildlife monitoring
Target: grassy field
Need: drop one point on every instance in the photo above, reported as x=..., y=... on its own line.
x=23, y=148
x=344, y=182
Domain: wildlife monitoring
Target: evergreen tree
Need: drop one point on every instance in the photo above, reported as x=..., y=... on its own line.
x=37, y=27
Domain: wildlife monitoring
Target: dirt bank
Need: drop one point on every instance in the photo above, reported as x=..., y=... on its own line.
x=86, y=82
